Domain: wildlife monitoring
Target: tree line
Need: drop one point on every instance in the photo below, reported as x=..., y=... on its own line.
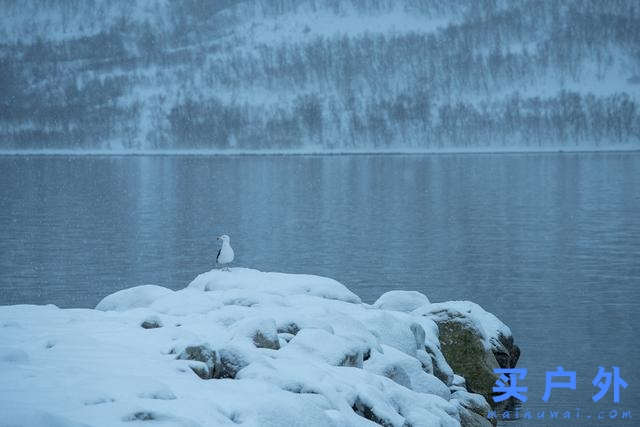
x=500, y=73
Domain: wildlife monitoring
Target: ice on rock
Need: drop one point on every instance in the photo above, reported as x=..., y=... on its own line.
x=405, y=301
x=234, y=347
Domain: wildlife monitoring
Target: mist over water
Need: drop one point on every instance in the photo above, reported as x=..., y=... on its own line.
x=549, y=243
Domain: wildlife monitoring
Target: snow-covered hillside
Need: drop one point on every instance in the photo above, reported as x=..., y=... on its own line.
x=250, y=348
x=343, y=75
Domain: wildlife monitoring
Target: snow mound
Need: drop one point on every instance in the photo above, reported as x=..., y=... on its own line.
x=139, y=296
x=274, y=283
x=235, y=347
x=405, y=301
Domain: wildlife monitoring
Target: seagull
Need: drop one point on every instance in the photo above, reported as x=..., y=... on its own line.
x=225, y=253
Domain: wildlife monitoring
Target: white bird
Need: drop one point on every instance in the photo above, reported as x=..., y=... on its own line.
x=225, y=253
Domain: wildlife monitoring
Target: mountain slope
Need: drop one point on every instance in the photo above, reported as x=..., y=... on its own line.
x=319, y=74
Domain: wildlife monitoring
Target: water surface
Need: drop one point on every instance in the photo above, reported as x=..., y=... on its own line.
x=548, y=242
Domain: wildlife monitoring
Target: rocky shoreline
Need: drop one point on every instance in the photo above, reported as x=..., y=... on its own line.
x=252, y=348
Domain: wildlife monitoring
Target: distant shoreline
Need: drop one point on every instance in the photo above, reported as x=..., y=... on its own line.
x=311, y=152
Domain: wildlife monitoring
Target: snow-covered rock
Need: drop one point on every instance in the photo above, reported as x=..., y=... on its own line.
x=401, y=301
x=139, y=296
x=489, y=326
x=473, y=341
x=275, y=283
x=238, y=347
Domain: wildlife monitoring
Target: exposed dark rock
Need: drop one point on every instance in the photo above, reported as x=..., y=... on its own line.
x=468, y=418
x=299, y=389
x=352, y=359
x=200, y=353
x=261, y=340
x=141, y=416
x=465, y=352
x=473, y=402
x=398, y=375
x=441, y=368
x=201, y=371
x=366, y=411
x=473, y=343
x=289, y=328
x=229, y=363
x=507, y=354
x=285, y=337
x=151, y=324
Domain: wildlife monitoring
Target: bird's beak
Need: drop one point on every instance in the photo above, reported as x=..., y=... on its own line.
x=218, y=238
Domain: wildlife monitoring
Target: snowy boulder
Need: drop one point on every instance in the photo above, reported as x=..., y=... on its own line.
x=471, y=401
x=493, y=332
x=329, y=348
x=261, y=331
x=469, y=418
x=274, y=283
x=405, y=301
x=151, y=322
x=360, y=394
x=395, y=329
x=244, y=347
x=473, y=408
x=230, y=361
x=206, y=357
x=473, y=341
x=406, y=371
x=126, y=299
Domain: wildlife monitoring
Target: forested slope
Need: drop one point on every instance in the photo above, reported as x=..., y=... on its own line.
x=320, y=74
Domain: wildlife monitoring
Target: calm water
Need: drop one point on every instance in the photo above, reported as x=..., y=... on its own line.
x=548, y=242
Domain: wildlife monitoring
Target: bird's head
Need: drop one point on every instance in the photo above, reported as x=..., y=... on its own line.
x=224, y=238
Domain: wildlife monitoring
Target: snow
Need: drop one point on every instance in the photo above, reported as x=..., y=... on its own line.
x=406, y=371
x=276, y=283
x=405, y=301
x=235, y=347
x=139, y=296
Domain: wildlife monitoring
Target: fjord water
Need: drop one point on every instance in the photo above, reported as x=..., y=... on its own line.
x=550, y=243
